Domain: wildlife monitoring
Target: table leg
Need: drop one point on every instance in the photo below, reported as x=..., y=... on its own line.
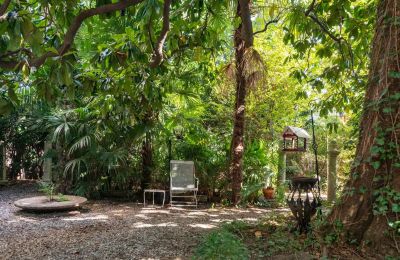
x=153, y=198
x=144, y=199
x=163, y=200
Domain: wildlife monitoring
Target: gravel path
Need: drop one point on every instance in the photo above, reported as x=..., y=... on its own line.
x=107, y=229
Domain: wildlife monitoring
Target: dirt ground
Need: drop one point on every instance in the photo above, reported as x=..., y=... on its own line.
x=107, y=229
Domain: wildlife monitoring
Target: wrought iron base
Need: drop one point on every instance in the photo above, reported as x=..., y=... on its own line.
x=305, y=205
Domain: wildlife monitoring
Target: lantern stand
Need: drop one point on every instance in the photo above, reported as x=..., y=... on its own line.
x=315, y=148
x=304, y=209
x=177, y=135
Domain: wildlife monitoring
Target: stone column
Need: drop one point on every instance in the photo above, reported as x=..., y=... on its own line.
x=47, y=163
x=333, y=153
x=282, y=166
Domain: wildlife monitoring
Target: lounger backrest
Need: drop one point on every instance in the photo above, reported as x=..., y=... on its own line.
x=182, y=174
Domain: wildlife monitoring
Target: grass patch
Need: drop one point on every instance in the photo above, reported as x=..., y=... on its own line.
x=270, y=238
x=267, y=238
x=221, y=244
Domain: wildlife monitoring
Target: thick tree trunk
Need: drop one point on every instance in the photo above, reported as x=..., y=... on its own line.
x=243, y=40
x=147, y=161
x=376, y=174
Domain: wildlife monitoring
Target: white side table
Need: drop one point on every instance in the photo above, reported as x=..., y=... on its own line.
x=153, y=191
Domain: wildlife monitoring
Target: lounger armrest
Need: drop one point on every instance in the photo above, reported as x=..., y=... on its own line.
x=197, y=182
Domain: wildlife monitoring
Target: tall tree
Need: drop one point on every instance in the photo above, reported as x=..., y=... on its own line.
x=243, y=42
x=371, y=199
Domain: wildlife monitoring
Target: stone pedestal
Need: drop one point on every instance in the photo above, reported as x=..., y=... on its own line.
x=333, y=153
x=47, y=163
x=282, y=167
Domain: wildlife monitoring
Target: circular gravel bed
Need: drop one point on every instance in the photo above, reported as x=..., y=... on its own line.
x=107, y=229
x=43, y=204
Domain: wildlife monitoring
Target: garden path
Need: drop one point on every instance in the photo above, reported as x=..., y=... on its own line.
x=107, y=229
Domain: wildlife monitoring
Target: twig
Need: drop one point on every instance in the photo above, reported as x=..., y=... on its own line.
x=266, y=26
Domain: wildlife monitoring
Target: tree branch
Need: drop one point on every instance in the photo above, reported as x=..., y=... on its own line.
x=311, y=14
x=310, y=8
x=70, y=35
x=4, y=7
x=158, y=52
x=338, y=39
x=11, y=53
x=266, y=26
x=324, y=29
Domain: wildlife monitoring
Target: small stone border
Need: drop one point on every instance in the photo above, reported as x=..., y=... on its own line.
x=42, y=204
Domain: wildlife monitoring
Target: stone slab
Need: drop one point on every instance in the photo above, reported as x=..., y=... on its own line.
x=43, y=204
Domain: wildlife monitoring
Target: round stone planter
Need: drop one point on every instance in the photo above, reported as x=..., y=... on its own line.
x=42, y=204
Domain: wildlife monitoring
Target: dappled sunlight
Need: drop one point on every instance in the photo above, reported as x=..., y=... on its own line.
x=22, y=219
x=247, y=219
x=147, y=225
x=218, y=220
x=205, y=226
x=197, y=213
x=27, y=219
x=154, y=211
x=98, y=217
x=187, y=216
x=213, y=215
x=117, y=211
x=142, y=216
x=142, y=225
x=234, y=211
x=169, y=224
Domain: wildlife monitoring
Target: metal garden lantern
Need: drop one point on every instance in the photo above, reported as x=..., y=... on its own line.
x=305, y=204
x=178, y=132
x=305, y=196
x=177, y=135
x=295, y=139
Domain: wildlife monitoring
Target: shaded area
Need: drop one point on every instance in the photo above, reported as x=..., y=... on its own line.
x=107, y=229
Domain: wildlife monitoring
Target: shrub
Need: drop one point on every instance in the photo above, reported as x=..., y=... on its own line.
x=221, y=244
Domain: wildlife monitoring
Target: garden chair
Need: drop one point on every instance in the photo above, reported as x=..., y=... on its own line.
x=183, y=181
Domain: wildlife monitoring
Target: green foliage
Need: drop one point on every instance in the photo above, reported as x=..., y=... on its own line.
x=268, y=237
x=281, y=193
x=101, y=100
x=50, y=188
x=61, y=197
x=250, y=192
x=221, y=244
x=47, y=188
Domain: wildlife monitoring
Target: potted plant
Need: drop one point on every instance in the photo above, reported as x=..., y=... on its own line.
x=268, y=190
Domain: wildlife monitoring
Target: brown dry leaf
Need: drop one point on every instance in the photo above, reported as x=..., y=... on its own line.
x=258, y=234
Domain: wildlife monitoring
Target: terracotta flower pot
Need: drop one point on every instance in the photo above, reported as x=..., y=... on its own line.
x=268, y=193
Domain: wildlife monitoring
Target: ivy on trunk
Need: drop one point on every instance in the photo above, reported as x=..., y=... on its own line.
x=371, y=197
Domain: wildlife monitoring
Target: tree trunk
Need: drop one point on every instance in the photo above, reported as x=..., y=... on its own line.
x=243, y=40
x=147, y=161
x=376, y=175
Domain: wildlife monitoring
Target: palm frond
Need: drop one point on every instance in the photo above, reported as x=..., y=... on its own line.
x=74, y=166
x=81, y=143
x=254, y=67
